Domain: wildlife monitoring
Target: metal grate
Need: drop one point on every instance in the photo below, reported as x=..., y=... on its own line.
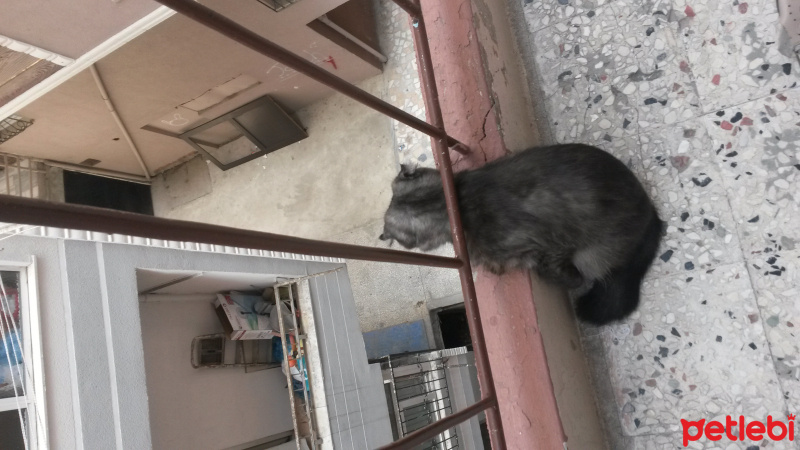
x=209, y=351
x=421, y=395
x=212, y=351
x=22, y=177
x=277, y=5
x=12, y=126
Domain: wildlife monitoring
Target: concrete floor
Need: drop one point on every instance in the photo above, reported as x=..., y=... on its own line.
x=334, y=185
x=699, y=100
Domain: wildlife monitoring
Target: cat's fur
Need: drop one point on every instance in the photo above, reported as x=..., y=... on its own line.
x=573, y=213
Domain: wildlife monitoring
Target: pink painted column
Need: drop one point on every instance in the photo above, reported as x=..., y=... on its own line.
x=516, y=352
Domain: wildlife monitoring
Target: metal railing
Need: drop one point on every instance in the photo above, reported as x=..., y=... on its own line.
x=420, y=393
x=37, y=212
x=21, y=176
x=293, y=328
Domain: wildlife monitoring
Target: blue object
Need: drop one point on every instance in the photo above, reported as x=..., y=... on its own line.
x=277, y=352
x=12, y=341
x=403, y=338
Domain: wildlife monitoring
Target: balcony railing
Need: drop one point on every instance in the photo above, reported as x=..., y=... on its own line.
x=37, y=212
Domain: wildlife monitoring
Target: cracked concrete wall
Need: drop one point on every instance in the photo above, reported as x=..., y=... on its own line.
x=503, y=68
x=471, y=120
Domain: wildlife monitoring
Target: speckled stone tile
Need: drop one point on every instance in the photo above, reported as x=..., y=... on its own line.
x=661, y=82
x=607, y=78
x=732, y=49
x=692, y=351
x=540, y=14
x=756, y=149
x=776, y=278
x=688, y=192
x=644, y=81
x=402, y=85
x=675, y=441
x=583, y=90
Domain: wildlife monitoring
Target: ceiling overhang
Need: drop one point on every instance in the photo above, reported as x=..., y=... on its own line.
x=55, y=69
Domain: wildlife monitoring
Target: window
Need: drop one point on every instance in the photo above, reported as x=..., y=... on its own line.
x=277, y=5
x=250, y=131
x=22, y=424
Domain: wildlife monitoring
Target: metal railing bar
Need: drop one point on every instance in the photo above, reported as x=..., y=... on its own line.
x=30, y=179
x=426, y=392
x=430, y=431
x=442, y=157
x=78, y=217
x=435, y=442
x=422, y=407
x=19, y=178
x=409, y=6
x=7, y=174
x=421, y=383
x=427, y=414
x=254, y=41
x=417, y=375
x=286, y=369
x=424, y=402
x=301, y=343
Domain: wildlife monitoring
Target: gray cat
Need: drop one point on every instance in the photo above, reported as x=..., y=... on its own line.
x=573, y=213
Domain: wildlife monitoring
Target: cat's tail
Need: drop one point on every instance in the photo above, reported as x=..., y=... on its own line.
x=617, y=295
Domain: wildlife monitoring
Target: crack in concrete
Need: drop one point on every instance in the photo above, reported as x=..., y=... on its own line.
x=483, y=128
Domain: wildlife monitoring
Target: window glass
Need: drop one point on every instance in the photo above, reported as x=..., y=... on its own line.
x=12, y=368
x=11, y=430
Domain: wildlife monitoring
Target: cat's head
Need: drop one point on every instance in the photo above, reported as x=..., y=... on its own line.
x=416, y=214
x=412, y=178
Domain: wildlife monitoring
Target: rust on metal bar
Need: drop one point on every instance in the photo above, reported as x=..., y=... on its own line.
x=429, y=431
x=62, y=215
x=442, y=156
x=411, y=7
x=254, y=41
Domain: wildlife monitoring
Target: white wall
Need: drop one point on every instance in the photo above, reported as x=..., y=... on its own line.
x=101, y=351
x=204, y=408
x=58, y=364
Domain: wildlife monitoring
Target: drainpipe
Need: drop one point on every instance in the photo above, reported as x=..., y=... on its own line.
x=113, y=111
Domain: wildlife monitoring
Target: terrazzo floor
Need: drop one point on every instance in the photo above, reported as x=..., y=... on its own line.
x=402, y=85
x=699, y=99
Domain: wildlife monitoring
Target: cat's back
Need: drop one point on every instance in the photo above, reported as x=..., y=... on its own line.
x=570, y=189
x=570, y=162
x=564, y=168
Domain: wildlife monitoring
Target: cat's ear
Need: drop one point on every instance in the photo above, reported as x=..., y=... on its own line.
x=408, y=171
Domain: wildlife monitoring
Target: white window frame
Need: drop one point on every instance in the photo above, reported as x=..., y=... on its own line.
x=34, y=400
